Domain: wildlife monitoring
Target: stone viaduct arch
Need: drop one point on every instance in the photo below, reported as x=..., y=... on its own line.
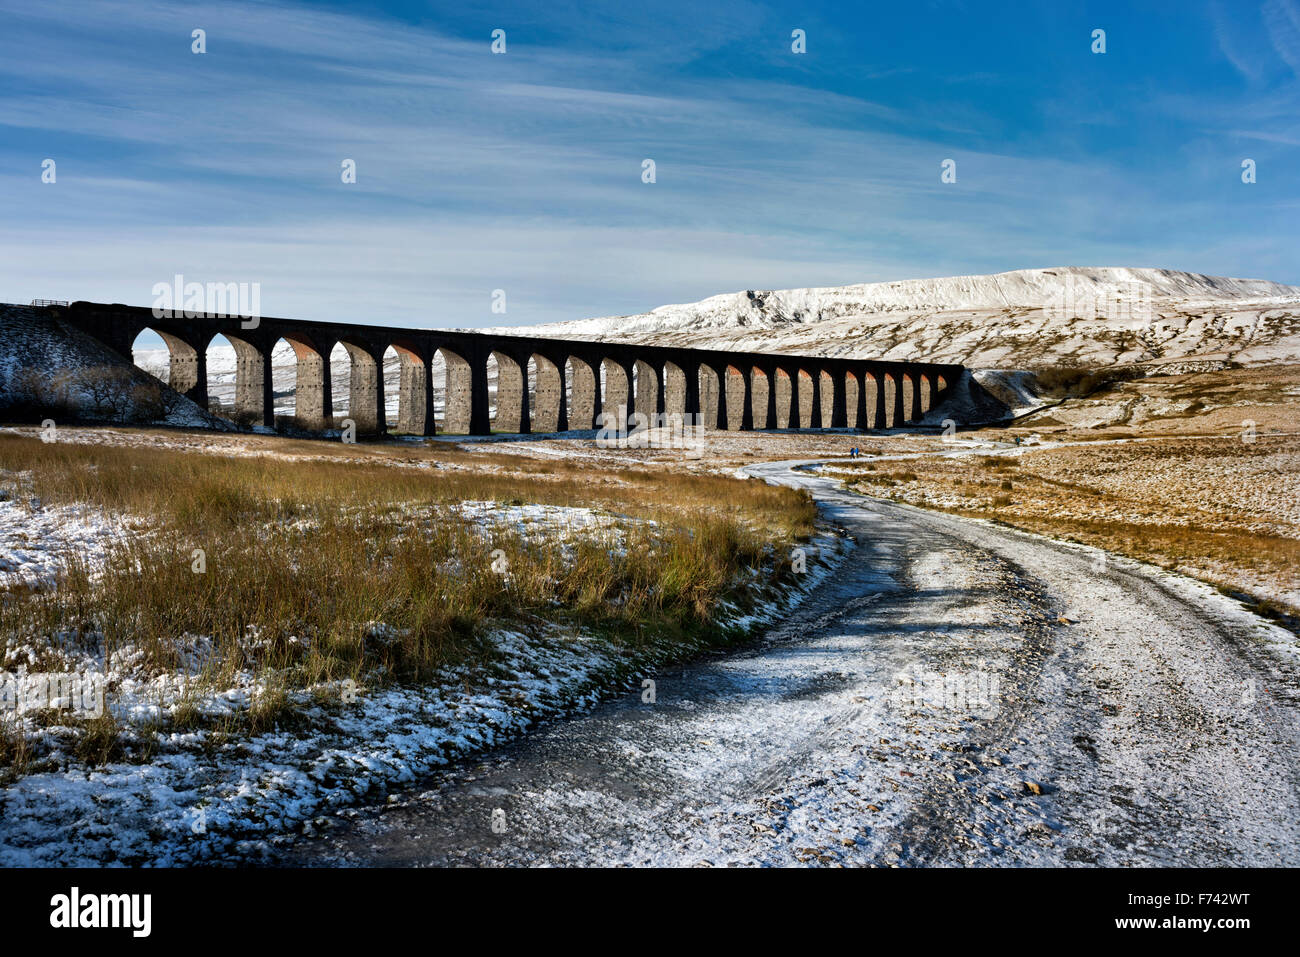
x=543, y=385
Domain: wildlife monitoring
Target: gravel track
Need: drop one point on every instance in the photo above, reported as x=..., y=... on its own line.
x=958, y=693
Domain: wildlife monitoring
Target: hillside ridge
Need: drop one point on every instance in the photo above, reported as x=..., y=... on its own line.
x=1071, y=315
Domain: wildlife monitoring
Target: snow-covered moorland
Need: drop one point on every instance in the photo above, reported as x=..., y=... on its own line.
x=272, y=638
x=206, y=796
x=1070, y=315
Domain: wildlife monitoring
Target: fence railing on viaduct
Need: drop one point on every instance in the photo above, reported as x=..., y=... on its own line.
x=543, y=385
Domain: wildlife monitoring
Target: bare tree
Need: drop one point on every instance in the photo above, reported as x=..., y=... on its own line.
x=109, y=389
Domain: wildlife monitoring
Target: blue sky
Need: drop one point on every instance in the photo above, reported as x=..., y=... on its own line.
x=522, y=171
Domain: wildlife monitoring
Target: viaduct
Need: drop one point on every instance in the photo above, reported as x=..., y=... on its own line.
x=543, y=385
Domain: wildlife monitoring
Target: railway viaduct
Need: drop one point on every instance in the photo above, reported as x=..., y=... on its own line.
x=543, y=385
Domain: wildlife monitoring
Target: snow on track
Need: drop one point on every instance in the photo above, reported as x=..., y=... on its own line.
x=957, y=693
x=204, y=800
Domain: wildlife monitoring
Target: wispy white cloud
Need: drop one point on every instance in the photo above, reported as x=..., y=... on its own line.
x=522, y=172
x=1226, y=28
x=1282, y=18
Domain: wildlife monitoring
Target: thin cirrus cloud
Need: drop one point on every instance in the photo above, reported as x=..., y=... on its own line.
x=1282, y=19
x=523, y=171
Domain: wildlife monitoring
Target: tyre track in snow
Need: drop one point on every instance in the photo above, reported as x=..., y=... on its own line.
x=1162, y=730
x=924, y=706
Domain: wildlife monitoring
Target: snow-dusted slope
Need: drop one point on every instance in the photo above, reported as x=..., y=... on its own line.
x=1070, y=315
x=43, y=359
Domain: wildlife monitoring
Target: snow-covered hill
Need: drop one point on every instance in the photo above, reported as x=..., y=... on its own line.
x=1068, y=315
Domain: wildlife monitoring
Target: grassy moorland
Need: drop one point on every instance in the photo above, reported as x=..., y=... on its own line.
x=1198, y=472
x=1217, y=508
x=324, y=563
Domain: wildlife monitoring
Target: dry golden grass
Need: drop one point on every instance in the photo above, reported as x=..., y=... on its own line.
x=1191, y=403
x=144, y=480
x=306, y=555
x=1220, y=509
